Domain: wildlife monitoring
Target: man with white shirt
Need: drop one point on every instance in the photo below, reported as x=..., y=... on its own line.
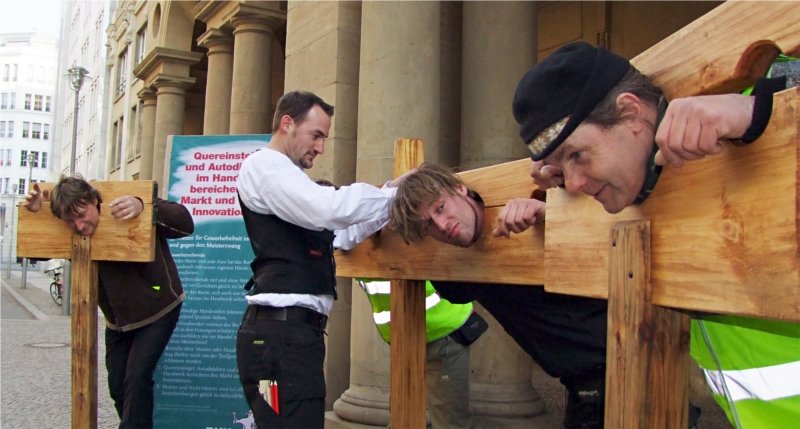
x=290, y=221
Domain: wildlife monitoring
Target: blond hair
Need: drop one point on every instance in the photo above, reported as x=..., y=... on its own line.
x=419, y=190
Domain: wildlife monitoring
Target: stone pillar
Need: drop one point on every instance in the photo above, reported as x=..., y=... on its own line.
x=399, y=96
x=494, y=59
x=170, y=109
x=216, y=119
x=251, y=83
x=148, y=118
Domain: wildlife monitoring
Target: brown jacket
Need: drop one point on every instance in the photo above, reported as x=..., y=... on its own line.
x=135, y=294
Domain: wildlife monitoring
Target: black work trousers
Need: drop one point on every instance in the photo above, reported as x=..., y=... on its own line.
x=131, y=359
x=290, y=353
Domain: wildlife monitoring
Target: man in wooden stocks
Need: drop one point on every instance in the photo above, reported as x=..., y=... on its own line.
x=290, y=221
x=565, y=335
x=141, y=301
x=598, y=139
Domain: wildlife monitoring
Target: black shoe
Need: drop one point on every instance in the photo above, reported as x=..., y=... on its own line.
x=585, y=401
x=694, y=416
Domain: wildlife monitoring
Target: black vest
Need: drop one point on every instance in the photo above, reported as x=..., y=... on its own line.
x=288, y=258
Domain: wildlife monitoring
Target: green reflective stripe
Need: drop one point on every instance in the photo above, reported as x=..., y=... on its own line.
x=441, y=316
x=748, y=342
x=752, y=365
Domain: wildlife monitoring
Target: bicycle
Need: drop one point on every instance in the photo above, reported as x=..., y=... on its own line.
x=57, y=286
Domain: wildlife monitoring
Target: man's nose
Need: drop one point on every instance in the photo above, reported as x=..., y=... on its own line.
x=574, y=182
x=440, y=222
x=320, y=147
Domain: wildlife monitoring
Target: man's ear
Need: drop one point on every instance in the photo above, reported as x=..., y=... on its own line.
x=286, y=123
x=630, y=108
x=462, y=190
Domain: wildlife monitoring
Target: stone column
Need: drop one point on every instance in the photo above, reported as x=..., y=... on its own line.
x=148, y=118
x=217, y=115
x=494, y=59
x=399, y=96
x=170, y=109
x=251, y=83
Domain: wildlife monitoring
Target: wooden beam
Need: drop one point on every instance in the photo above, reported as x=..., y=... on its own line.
x=84, y=334
x=723, y=51
x=42, y=235
x=647, y=373
x=518, y=259
x=407, y=302
x=724, y=229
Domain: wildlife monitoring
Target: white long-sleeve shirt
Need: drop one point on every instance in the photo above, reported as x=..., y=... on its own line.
x=270, y=183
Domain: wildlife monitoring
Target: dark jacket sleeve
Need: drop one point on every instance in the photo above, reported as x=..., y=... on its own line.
x=456, y=292
x=173, y=219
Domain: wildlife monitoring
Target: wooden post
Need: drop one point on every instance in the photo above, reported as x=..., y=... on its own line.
x=647, y=373
x=84, y=334
x=407, y=401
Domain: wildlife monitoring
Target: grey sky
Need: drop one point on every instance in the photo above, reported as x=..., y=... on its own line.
x=21, y=16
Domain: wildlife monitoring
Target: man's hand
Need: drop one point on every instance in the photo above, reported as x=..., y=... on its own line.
x=694, y=127
x=546, y=176
x=126, y=207
x=518, y=215
x=33, y=201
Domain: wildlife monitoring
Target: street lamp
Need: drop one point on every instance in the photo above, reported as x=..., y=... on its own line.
x=76, y=76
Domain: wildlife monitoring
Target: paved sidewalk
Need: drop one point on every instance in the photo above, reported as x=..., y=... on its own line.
x=35, y=353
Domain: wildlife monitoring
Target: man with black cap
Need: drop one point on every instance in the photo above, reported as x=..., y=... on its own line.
x=598, y=126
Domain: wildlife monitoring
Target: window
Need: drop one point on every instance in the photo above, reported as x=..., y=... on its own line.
x=121, y=70
x=37, y=102
x=28, y=98
x=6, y=72
x=4, y=99
x=48, y=103
x=8, y=156
x=26, y=128
x=46, y=132
x=35, y=156
x=140, y=44
x=44, y=159
x=21, y=188
x=10, y=132
x=36, y=131
x=14, y=74
x=13, y=100
x=5, y=184
x=2, y=129
x=23, y=158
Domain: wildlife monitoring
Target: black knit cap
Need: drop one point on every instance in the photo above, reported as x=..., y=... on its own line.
x=570, y=82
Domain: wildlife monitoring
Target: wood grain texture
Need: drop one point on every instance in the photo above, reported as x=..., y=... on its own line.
x=407, y=305
x=84, y=334
x=724, y=229
x=42, y=235
x=407, y=401
x=723, y=51
x=647, y=372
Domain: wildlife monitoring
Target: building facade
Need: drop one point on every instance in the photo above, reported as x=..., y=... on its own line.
x=444, y=72
x=28, y=78
x=83, y=44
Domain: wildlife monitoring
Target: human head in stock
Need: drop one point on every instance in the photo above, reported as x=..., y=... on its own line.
x=432, y=200
x=300, y=126
x=75, y=201
x=608, y=131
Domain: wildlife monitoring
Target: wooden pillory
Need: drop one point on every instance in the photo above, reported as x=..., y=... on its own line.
x=719, y=235
x=42, y=235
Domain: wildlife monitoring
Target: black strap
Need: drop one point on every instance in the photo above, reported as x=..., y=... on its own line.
x=762, y=108
x=653, y=171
